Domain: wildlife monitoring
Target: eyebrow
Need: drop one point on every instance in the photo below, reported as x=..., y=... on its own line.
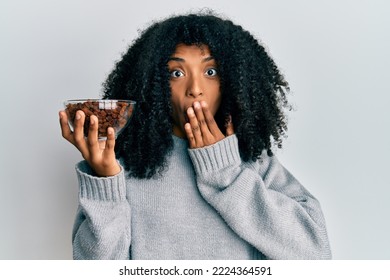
x=179, y=59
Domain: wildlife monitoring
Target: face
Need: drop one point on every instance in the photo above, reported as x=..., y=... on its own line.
x=193, y=77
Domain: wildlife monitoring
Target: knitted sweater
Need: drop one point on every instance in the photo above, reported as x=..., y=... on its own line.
x=209, y=204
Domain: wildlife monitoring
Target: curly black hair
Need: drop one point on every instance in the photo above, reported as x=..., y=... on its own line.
x=253, y=89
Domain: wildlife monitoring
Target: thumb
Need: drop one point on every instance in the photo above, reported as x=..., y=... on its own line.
x=229, y=126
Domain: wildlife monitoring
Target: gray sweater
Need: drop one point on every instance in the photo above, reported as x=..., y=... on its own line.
x=209, y=204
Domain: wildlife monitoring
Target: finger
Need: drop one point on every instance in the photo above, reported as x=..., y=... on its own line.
x=195, y=127
x=110, y=142
x=211, y=123
x=201, y=120
x=78, y=134
x=109, y=152
x=93, y=142
x=109, y=162
x=190, y=135
x=229, y=126
x=78, y=125
x=65, y=129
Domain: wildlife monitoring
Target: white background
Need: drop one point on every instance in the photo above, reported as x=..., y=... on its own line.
x=334, y=53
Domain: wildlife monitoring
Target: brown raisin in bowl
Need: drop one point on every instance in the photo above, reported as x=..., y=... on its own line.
x=110, y=113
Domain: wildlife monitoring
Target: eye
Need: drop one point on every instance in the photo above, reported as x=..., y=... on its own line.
x=176, y=74
x=211, y=72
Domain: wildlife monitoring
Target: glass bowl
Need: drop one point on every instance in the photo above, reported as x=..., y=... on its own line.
x=110, y=113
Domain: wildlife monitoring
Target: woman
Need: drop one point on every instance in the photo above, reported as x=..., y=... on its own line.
x=193, y=176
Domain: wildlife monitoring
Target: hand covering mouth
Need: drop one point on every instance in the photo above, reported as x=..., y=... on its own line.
x=186, y=117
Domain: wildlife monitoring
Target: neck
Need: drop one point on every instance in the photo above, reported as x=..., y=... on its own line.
x=178, y=132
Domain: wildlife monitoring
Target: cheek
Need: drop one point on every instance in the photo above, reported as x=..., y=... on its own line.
x=176, y=109
x=214, y=103
x=174, y=97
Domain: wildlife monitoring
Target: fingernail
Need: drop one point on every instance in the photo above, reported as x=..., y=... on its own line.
x=78, y=116
x=197, y=105
x=190, y=111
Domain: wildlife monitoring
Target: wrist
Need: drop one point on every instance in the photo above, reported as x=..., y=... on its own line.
x=108, y=171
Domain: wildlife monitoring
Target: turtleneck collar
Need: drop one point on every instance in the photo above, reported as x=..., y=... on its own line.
x=180, y=142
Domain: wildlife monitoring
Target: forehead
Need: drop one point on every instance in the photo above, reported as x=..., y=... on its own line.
x=184, y=50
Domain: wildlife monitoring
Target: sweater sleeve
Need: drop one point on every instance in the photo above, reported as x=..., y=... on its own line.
x=102, y=225
x=262, y=202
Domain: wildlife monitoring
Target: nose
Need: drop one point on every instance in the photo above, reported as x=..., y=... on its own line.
x=194, y=87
